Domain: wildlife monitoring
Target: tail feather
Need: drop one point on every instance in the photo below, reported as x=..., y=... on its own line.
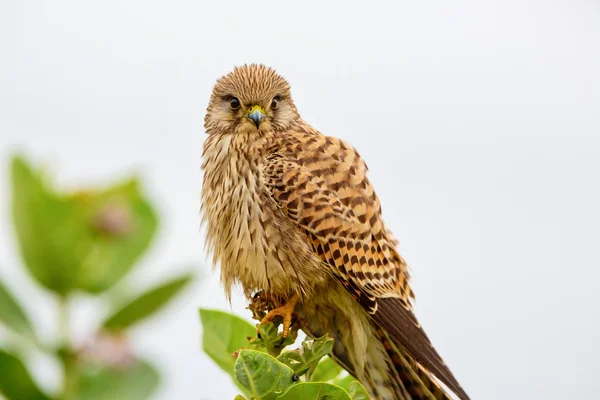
x=418, y=382
x=375, y=376
x=396, y=318
x=391, y=374
x=432, y=384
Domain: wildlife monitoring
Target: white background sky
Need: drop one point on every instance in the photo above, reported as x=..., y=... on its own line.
x=479, y=122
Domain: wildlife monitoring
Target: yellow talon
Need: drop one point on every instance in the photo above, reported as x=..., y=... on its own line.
x=285, y=312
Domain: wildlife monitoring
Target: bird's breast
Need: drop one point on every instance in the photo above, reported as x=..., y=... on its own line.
x=255, y=244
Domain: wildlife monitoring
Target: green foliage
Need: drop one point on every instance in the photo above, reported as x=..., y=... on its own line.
x=315, y=391
x=346, y=382
x=146, y=304
x=270, y=340
x=120, y=225
x=84, y=241
x=138, y=380
x=262, y=375
x=326, y=370
x=12, y=315
x=42, y=223
x=15, y=381
x=265, y=369
x=301, y=361
x=356, y=390
x=223, y=335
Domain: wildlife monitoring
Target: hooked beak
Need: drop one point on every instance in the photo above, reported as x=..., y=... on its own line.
x=256, y=114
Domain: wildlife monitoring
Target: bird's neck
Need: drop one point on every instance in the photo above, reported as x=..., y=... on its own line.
x=229, y=155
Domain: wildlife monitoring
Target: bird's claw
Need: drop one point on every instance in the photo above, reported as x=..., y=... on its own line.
x=285, y=312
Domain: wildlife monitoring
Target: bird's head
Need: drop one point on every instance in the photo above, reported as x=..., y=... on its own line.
x=250, y=99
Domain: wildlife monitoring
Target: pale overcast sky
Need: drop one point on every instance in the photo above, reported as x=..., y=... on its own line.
x=479, y=122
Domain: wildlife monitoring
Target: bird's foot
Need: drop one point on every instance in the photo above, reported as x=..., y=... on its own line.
x=260, y=304
x=285, y=311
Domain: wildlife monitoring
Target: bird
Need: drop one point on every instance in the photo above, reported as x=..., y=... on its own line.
x=291, y=212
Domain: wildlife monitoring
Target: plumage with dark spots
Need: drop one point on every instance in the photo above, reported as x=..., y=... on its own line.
x=291, y=212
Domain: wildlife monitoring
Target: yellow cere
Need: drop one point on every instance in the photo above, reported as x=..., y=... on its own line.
x=260, y=109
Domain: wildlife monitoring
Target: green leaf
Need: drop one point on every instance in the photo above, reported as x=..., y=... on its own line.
x=12, y=315
x=41, y=221
x=239, y=397
x=137, y=381
x=15, y=381
x=262, y=375
x=315, y=391
x=326, y=370
x=85, y=240
x=271, y=339
x=352, y=386
x=146, y=304
x=330, y=371
x=222, y=335
x=112, y=228
x=300, y=361
x=344, y=381
x=357, y=391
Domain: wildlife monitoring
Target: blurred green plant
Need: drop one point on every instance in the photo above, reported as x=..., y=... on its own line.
x=83, y=241
x=264, y=368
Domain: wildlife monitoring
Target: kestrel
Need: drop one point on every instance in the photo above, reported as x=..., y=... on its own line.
x=291, y=212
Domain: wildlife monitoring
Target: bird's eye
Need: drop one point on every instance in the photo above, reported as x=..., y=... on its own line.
x=275, y=102
x=234, y=103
